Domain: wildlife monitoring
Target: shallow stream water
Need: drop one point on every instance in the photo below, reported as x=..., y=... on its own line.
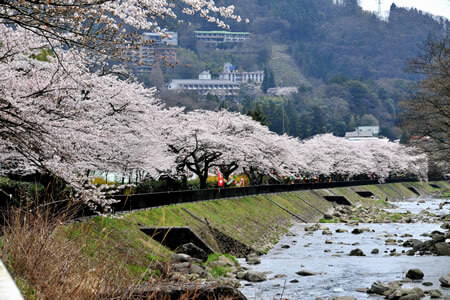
x=343, y=274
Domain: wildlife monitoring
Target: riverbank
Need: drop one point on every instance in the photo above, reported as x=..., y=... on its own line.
x=235, y=226
x=406, y=257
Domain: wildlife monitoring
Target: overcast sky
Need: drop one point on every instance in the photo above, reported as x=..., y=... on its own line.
x=435, y=7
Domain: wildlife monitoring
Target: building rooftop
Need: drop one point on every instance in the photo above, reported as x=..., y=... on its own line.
x=222, y=32
x=203, y=81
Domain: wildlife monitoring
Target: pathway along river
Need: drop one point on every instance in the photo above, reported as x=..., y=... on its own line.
x=343, y=274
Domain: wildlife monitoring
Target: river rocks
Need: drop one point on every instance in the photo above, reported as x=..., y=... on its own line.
x=442, y=249
x=328, y=242
x=255, y=276
x=378, y=288
x=375, y=251
x=415, y=243
x=357, y=252
x=193, y=251
x=357, y=231
x=222, y=261
x=294, y=281
x=360, y=230
x=285, y=246
x=445, y=226
x=326, y=232
x=252, y=260
x=327, y=217
x=342, y=298
x=409, y=297
x=202, y=291
x=414, y=274
x=427, y=283
x=390, y=242
x=307, y=273
x=340, y=230
x=315, y=227
x=181, y=257
x=445, y=280
x=240, y=274
x=434, y=294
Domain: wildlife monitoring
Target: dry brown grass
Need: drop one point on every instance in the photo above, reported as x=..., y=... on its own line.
x=47, y=265
x=52, y=266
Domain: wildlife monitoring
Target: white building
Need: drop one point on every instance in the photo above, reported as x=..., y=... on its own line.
x=363, y=133
x=216, y=37
x=232, y=74
x=205, y=85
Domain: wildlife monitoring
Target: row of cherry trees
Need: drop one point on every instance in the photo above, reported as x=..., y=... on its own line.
x=64, y=112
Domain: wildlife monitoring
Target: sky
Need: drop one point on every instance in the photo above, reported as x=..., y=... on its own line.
x=435, y=7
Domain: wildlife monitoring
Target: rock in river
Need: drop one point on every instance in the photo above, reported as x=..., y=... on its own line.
x=253, y=260
x=307, y=273
x=378, y=288
x=445, y=280
x=414, y=274
x=357, y=252
x=442, y=249
x=254, y=276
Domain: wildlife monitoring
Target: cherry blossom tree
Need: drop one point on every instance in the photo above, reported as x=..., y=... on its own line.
x=104, y=26
x=65, y=120
x=59, y=117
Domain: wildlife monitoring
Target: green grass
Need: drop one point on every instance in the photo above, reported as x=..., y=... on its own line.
x=446, y=195
x=382, y=202
x=217, y=272
x=323, y=220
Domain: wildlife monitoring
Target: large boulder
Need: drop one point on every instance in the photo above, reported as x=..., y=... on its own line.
x=445, y=280
x=193, y=251
x=414, y=274
x=253, y=260
x=255, y=276
x=442, y=249
x=378, y=288
x=415, y=243
x=222, y=261
x=357, y=252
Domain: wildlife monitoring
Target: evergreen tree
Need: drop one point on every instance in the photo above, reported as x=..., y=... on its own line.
x=268, y=81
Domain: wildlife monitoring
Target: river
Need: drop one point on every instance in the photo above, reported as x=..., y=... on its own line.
x=342, y=274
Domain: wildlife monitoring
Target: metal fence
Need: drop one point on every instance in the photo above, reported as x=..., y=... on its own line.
x=142, y=201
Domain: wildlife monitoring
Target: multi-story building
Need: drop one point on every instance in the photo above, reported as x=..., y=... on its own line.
x=231, y=73
x=216, y=37
x=156, y=46
x=168, y=38
x=205, y=85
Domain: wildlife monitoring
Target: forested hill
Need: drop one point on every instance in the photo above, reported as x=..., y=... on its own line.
x=326, y=39
x=347, y=63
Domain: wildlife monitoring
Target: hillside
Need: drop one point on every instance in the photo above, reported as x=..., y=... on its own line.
x=348, y=64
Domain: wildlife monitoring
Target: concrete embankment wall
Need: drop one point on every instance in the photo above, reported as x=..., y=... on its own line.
x=257, y=222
